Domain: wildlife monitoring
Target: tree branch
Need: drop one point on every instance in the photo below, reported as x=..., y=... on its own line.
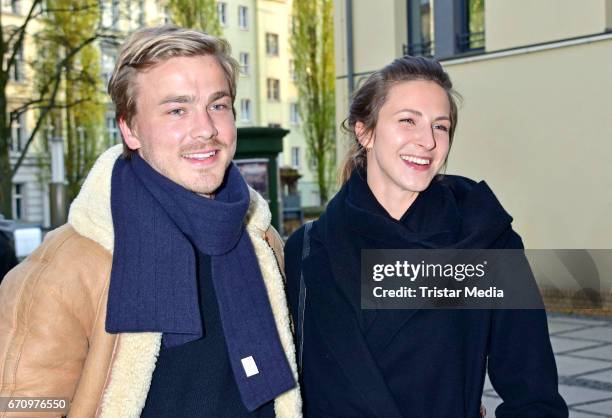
x=16, y=46
x=52, y=105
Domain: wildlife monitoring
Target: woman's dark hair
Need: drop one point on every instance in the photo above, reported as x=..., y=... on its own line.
x=370, y=97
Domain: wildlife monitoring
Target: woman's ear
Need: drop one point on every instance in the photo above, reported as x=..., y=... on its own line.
x=365, y=138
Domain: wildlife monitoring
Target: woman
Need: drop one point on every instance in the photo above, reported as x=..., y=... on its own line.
x=409, y=363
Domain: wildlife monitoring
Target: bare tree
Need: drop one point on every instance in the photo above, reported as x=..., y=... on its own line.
x=46, y=95
x=81, y=114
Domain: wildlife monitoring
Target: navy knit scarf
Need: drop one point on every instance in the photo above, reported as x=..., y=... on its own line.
x=158, y=227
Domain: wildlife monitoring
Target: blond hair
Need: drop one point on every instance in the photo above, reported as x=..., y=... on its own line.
x=150, y=46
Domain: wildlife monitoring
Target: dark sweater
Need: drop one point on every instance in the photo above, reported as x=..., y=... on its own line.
x=196, y=379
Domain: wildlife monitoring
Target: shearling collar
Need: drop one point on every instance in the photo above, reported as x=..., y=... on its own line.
x=135, y=354
x=90, y=213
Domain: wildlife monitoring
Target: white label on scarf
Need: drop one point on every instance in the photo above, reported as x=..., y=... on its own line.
x=250, y=368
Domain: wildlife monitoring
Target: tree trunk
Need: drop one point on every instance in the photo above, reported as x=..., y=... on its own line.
x=6, y=185
x=6, y=181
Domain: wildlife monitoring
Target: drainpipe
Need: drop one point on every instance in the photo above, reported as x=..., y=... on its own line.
x=350, y=73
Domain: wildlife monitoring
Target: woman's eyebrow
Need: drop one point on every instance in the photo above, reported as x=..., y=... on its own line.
x=416, y=112
x=442, y=118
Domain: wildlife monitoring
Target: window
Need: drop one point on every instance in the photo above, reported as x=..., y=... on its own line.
x=272, y=44
x=115, y=13
x=142, y=17
x=167, y=16
x=245, y=110
x=112, y=130
x=295, y=157
x=108, y=64
x=18, y=133
x=17, y=73
x=11, y=6
x=472, y=35
x=294, y=114
x=41, y=8
x=292, y=72
x=106, y=14
x=15, y=6
x=222, y=13
x=420, y=18
x=273, y=89
x=243, y=17
x=18, y=206
x=312, y=162
x=244, y=63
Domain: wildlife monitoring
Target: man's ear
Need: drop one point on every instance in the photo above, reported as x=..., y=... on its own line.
x=129, y=136
x=364, y=138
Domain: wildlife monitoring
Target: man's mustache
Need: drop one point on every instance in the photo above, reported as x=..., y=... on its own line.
x=197, y=146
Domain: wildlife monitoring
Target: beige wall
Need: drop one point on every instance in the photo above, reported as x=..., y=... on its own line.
x=274, y=16
x=538, y=128
x=340, y=37
x=244, y=40
x=379, y=29
x=515, y=23
x=367, y=30
x=535, y=123
x=608, y=14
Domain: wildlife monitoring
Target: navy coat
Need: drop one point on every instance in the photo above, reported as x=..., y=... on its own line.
x=413, y=363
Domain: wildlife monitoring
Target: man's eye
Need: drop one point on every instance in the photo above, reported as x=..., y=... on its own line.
x=219, y=106
x=177, y=112
x=409, y=121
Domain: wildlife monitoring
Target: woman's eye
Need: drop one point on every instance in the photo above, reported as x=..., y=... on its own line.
x=409, y=121
x=442, y=128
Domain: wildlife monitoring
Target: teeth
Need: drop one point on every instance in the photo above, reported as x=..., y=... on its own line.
x=200, y=156
x=415, y=160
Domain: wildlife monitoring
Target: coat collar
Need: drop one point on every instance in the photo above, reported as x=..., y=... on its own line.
x=90, y=212
x=135, y=354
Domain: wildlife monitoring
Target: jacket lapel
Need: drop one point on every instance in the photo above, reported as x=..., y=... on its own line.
x=378, y=326
x=344, y=335
x=385, y=326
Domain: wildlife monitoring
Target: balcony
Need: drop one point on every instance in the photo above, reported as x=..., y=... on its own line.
x=424, y=49
x=471, y=42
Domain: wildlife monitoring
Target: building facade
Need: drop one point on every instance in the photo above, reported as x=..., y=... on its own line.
x=258, y=32
x=30, y=194
x=536, y=83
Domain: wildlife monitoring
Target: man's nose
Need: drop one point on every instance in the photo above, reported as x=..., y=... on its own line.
x=203, y=126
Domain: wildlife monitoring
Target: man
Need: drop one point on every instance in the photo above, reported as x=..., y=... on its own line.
x=163, y=295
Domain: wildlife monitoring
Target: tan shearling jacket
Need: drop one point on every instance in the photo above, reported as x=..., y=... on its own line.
x=53, y=341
